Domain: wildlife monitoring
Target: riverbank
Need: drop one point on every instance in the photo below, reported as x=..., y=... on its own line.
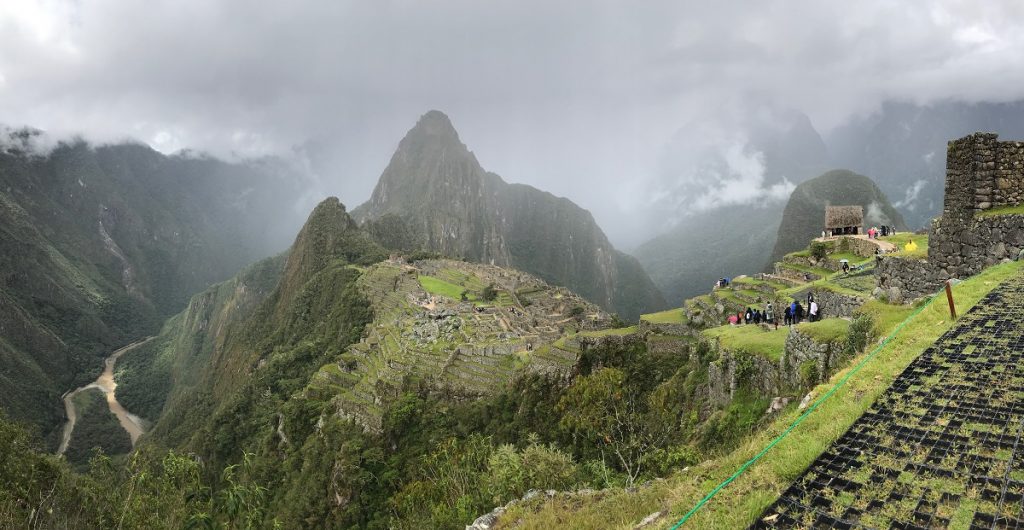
x=131, y=423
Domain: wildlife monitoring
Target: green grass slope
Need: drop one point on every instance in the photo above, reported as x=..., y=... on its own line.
x=739, y=503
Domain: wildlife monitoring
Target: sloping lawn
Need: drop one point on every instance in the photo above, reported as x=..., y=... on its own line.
x=901, y=240
x=671, y=316
x=610, y=332
x=751, y=339
x=827, y=330
x=440, y=287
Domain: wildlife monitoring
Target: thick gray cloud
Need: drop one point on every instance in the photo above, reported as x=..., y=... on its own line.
x=616, y=105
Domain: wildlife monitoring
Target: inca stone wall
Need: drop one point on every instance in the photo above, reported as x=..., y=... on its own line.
x=982, y=173
x=806, y=362
x=833, y=304
x=733, y=369
x=1009, y=175
x=958, y=251
x=662, y=328
x=970, y=175
x=902, y=280
x=861, y=247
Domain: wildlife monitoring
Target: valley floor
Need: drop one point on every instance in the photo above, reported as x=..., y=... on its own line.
x=131, y=423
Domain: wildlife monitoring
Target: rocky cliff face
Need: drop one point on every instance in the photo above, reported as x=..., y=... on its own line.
x=436, y=185
x=804, y=216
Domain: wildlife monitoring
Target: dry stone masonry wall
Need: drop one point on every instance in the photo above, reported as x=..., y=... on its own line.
x=833, y=304
x=902, y=280
x=982, y=173
x=806, y=362
x=957, y=251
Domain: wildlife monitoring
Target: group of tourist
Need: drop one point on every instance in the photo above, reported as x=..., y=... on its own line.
x=751, y=316
x=874, y=231
x=793, y=314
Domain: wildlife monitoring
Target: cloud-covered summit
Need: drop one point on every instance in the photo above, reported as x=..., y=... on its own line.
x=582, y=99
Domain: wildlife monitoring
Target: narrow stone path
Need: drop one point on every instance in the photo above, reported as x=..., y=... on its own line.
x=941, y=448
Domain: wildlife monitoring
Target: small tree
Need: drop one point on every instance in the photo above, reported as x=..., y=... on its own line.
x=598, y=408
x=489, y=293
x=819, y=250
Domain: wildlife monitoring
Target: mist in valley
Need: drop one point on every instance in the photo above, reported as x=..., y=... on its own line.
x=648, y=116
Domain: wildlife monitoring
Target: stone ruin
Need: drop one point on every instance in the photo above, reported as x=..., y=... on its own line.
x=982, y=174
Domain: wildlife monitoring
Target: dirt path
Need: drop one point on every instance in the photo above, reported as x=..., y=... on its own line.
x=105, y=382
x=884, y=245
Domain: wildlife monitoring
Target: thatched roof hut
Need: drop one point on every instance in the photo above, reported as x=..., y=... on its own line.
x=838, y=218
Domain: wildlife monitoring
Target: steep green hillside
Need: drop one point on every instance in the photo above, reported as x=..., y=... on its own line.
x=99, y=244
x=453, y=206
x=724, y=243
x=353, y=380
x=804, y=216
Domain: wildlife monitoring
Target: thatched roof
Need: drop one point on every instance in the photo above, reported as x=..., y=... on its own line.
x=843, y=216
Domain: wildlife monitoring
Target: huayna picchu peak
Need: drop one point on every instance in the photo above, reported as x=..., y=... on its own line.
x=454, y=207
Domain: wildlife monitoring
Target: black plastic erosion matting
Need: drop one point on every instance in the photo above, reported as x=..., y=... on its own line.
x=941, y=448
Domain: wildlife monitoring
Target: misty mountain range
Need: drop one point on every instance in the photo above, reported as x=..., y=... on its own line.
x=901, y=148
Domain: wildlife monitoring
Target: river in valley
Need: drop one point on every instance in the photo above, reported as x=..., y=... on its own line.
x=105, y=382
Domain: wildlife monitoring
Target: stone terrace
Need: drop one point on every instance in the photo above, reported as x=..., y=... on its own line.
x=463, y=348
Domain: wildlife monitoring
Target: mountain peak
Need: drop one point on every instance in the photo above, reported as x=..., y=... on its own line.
x=434, y=123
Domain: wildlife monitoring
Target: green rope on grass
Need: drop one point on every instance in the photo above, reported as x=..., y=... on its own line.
x=803, y=416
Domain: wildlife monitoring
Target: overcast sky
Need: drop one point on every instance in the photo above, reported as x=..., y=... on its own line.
x=589, y=100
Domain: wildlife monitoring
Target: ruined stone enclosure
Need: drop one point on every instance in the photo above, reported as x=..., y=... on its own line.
x=982, y=220
x=980, y=223
x=982, y=173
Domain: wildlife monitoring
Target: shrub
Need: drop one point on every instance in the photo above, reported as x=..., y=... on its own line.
x=512, y=473
x=859, y=334
x=819, y=250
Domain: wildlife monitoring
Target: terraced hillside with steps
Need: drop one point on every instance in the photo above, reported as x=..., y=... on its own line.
x=940, y=448
x=446, y=334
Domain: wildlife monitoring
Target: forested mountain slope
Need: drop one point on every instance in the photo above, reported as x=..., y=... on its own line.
x=99, y=244
x=804, y=216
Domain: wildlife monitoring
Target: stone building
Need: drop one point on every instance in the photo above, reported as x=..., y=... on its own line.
x=984, y=179
x=982, y=173
x=980, y=223
x=844, y=220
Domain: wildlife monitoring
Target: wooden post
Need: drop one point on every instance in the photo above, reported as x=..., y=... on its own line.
x=949, y=297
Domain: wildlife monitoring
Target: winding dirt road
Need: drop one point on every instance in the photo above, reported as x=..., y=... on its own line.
x=105, y=382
